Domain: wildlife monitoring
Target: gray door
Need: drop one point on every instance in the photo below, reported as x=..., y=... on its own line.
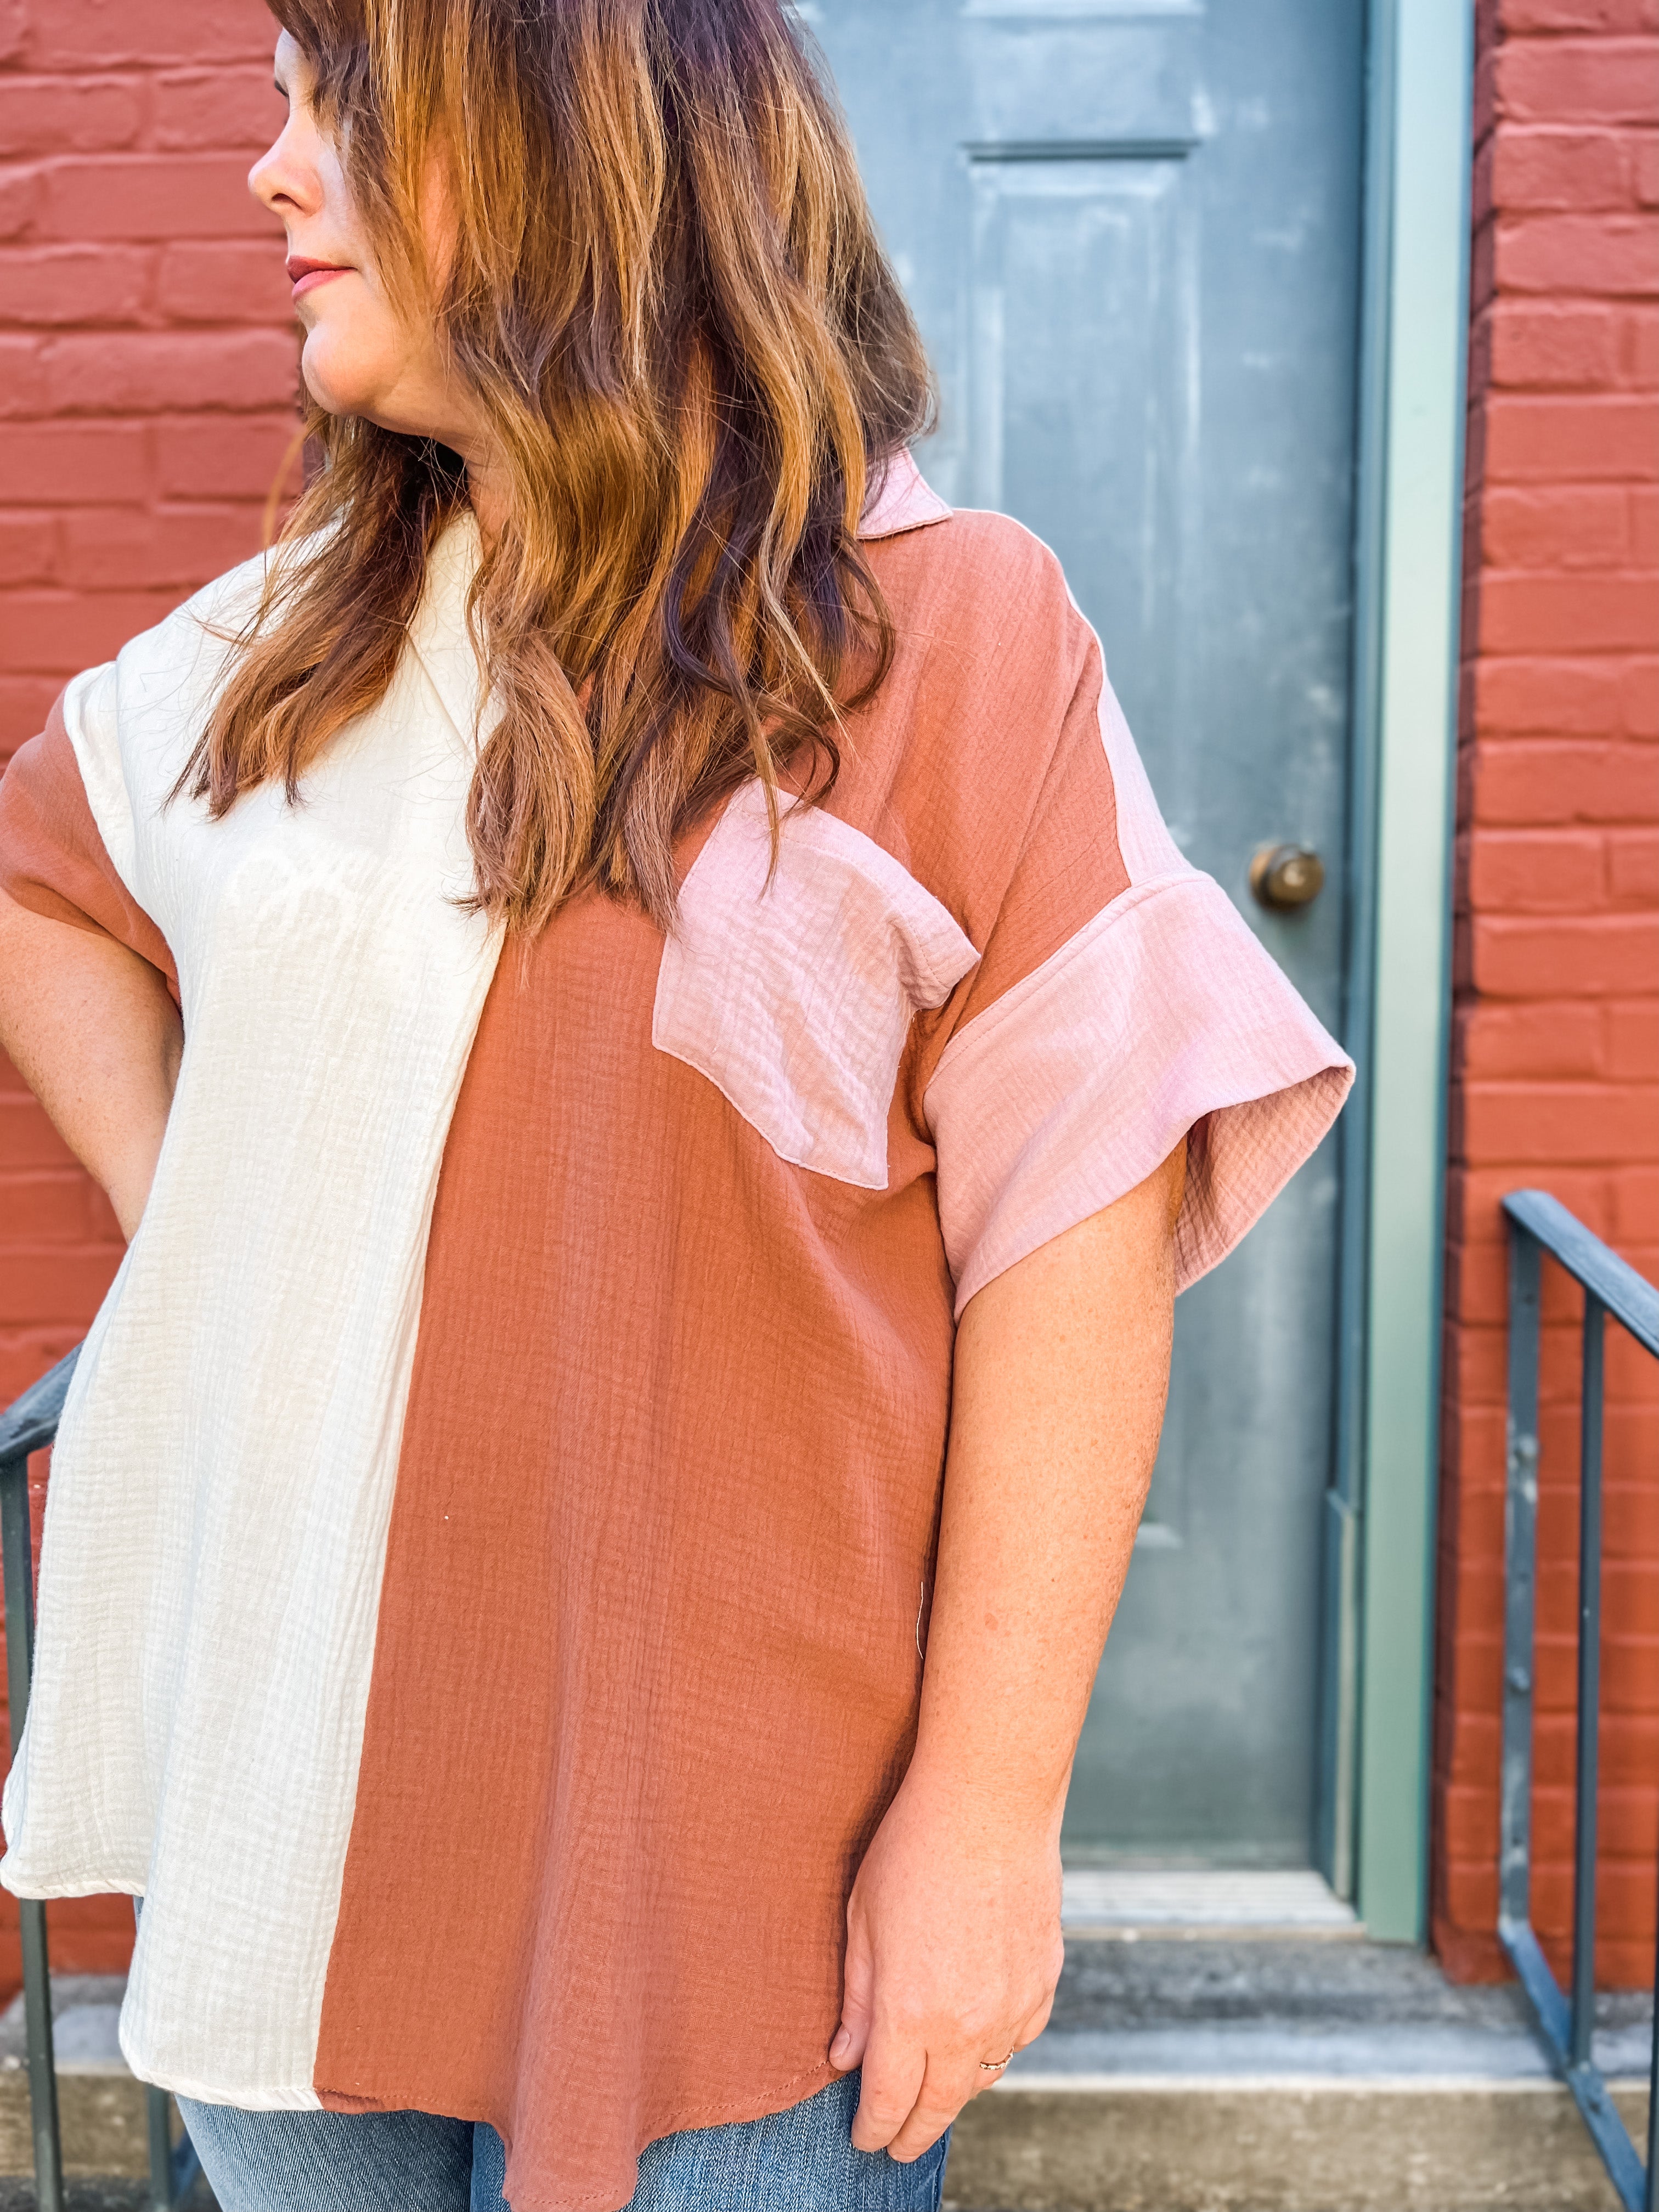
x=1131, y=232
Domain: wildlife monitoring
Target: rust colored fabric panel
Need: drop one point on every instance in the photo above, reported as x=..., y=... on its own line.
x=53, y=860
x=647, y=1657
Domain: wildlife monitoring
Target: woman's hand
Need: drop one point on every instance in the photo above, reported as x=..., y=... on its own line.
x=953, y=1950
x=953, y=1944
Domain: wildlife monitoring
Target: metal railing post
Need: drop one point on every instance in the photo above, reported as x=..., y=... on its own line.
x=27, y=1427
x=1520, y=1582
x=1539, y=1223
x=1589, y=1682
x=16, y=1541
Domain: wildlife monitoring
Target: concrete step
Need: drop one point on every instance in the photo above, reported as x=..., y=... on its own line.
x=1184, y=2071
x=101, y=2109
x=1277, y=2142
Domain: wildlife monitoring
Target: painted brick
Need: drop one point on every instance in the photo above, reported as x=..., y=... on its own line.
x=149, y=196
x=1567, y=169
x=1597, y=957
x=39, y=1207
x=210, y=456
x=49, y=631
x=151, y=34
x=25, y=1357
x=1601, y=436
x=149, y=371
x=1609, y=81
x=1471, y=1897
x=13, y=30
x=198, y=108
x=67, y=463
x=1604, y=254
x=1480, y=1186
x=22, y=380
x=1538, y=872
x=1573, y=347
x=1475, y=1276
x=1638, y=348
x=1543, y=1122
x=1633, y=869
x=54, y=1283
x=1473, y=1744
x=1536, y=781
x=20, y=194
x=1638, y=700
x=24, y=701
x=1561, y=527
x=70, y=115
x=74, y=284
x=243, y=281
x=1633, y=1056
x=122, y=549
x=1635, y=1192
x=1556, y=1072
x=1551, y=1037
x=28, y=544
x=1470, y=1828
x=1611, y=15
x=1528, y=696
x=1562, y=613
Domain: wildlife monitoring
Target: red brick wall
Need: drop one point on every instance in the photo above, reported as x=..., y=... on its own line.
x=1555, y=1057
x=147, y=386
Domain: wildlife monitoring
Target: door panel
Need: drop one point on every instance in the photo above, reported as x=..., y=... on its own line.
x=1131, y=234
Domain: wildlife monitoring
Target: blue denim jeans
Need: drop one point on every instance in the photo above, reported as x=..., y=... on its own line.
x=799, y=2161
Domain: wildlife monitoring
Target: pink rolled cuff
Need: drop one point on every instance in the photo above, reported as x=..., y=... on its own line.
x=1162, y=1012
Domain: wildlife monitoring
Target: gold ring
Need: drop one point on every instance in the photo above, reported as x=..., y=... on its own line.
x=995, y=2065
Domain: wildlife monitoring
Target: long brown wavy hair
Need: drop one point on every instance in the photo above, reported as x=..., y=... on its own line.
x=669, y=297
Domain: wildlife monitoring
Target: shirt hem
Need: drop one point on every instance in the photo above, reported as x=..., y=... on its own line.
x=87, y=1885
x=795, y=2089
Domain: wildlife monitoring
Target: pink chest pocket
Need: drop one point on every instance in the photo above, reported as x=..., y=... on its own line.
x=794, y=997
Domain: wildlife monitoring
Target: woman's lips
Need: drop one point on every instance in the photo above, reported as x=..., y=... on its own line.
x=306, y=276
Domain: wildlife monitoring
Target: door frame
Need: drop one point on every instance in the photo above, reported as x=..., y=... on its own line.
x=1373, y=1795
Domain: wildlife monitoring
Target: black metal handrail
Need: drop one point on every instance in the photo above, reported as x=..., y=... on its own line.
x=1539, y=1223
x=29, y=1426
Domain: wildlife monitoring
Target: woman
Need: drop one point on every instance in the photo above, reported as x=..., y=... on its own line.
x=663, y=1072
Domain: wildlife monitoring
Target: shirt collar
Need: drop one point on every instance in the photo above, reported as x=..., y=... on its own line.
x=901, y=499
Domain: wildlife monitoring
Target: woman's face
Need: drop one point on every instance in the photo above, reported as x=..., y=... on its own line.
x=363, y=354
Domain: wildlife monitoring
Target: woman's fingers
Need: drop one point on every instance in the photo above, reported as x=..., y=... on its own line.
x=847, y=2045
x=942, y=2095
x=1034, y=2025
x=910, y=2096
x=893, y=2076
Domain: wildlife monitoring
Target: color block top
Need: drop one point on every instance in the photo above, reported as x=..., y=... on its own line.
x=488, y=1552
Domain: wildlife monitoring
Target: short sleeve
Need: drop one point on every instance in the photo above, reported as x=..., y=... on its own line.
x=1121, y=1003
x=54, y=859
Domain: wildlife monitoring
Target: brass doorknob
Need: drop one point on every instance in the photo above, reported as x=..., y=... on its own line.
x=1286, y=876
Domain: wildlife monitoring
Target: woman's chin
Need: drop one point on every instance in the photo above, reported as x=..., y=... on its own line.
x=339, y=383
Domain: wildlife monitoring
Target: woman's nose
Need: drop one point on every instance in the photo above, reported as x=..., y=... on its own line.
x=278, y=181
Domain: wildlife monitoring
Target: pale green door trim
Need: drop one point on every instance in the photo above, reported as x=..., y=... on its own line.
x=1412, y=407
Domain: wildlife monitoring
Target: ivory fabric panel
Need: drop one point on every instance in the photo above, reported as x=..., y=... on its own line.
x=223, y=1479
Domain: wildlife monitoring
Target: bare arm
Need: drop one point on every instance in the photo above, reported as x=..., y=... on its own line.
x=92, y=1029
x=953, y=1927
